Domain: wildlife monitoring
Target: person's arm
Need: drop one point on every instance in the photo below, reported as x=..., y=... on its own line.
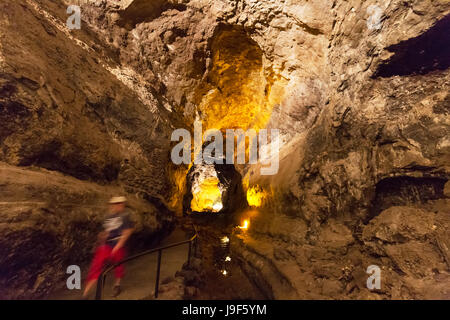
x=102, y=236
x=123, y=239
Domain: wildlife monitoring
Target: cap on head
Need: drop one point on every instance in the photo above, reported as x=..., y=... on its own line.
x=115, y=200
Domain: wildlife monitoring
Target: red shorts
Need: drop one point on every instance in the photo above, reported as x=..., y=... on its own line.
x=103, y=254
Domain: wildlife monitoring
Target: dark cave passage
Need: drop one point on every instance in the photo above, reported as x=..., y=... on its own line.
x=421, y=55
x=401, y=191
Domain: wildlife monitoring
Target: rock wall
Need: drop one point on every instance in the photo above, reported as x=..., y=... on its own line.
x=68, y=106
x=50, y=221
x=382, y=127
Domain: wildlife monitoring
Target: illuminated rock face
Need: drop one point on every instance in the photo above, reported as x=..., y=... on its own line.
x=214, y=188
x=206, y=189
x=256, y=196
x=235, y=93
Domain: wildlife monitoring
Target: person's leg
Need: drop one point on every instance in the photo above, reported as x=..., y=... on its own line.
x=101, y=255
x=119, y=271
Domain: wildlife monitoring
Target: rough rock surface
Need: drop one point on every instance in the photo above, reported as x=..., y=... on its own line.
x=50, y=221
x=359, y=91
x=67, y=106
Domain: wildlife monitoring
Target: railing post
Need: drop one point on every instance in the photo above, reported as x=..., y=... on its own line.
x=102, y=277
x=189, y=253
x=195, y=246
x=158, y=269
x=100, y=283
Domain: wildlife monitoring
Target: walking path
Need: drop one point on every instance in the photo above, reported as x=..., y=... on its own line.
x=140, y=274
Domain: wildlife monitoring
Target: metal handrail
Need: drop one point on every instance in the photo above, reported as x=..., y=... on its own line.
x=102, y=277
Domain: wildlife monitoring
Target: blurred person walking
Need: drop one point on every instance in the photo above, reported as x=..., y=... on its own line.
x=117, y=228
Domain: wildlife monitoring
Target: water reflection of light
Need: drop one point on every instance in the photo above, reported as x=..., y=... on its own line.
x=245, y=225
x=228, y=258
x=224, y=272
x=225, y=239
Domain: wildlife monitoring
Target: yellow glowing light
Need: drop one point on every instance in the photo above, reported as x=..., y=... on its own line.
x=224, y=272
x=255, y=196
x=208, y=196
x=245, y=225
x=227, y=259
